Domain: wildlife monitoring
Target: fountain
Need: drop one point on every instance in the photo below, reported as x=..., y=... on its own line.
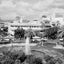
x=27, y=46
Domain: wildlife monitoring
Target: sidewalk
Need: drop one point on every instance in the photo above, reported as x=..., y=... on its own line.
x=16, y=44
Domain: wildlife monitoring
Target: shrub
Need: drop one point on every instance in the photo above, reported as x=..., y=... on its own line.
x=8, y=61
x=12, y=57
x=30, y=59
x=59, y=61
x=17, y=62
x=47, y=58
x=33, y=60
x=37, y=61
x=22, y=58
x=51, y=62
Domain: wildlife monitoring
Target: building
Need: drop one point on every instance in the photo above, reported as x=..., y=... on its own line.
x=46, y=21
x=58, y=21
x=34, y=25
x=43, y=23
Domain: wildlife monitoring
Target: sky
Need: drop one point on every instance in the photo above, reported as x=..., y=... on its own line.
x=30, y=9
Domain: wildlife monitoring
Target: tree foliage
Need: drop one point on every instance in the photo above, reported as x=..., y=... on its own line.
x=4, y=31
x=19, y=33
x=51, y=33
x=31, y=59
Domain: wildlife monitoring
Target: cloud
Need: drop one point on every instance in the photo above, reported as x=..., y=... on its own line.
x=41, y=5
x=9, y=8
x=58, y=4
x=7, y=3
x=24, y=8
x=57, y=7
x=32, y=8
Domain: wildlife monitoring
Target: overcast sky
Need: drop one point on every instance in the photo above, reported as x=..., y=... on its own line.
x=30, y=8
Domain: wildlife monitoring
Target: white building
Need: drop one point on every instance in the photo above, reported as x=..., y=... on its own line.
x=35, y=25
x=41, y=24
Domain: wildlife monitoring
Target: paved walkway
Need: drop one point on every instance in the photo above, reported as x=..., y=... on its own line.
x=16, y=44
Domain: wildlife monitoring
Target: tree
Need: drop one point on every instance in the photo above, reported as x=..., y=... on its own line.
x=51, y=33
x=4, y=31
x=19, y=33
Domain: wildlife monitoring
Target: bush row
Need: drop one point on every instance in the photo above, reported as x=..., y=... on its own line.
x=21, y=58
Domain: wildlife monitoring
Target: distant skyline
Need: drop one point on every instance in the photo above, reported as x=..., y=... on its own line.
x=30, y=9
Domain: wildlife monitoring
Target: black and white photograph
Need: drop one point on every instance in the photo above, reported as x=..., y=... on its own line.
x=31, y=31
